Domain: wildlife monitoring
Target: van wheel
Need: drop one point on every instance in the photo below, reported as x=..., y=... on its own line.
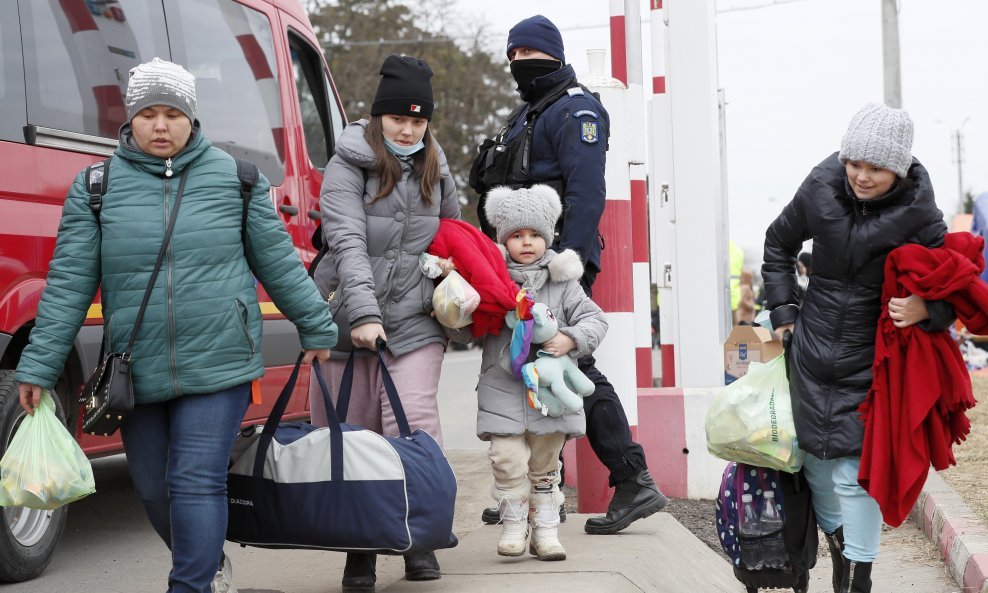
x=28, y=537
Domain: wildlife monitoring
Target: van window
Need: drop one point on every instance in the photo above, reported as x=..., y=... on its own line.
x=11, y=82
x=314, y=102
x=78, y=55
x=230, y=50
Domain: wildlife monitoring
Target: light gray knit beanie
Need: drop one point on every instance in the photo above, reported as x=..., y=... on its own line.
x=537, y=208
x=161, y=83
x=881, y=136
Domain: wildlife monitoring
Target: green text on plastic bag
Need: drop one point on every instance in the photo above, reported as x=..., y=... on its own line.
x=43, y=467
x=750, y=420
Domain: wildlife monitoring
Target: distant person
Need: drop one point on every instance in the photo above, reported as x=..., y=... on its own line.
x=381, y=201
x=198, y=348
x=744, y=314
x=804, y=267
x=525, y=443
x=558, y=137
x=857, y=205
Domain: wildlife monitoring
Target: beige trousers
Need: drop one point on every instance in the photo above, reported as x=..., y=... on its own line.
x=523, y=462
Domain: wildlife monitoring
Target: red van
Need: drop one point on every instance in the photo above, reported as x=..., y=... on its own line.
x=264, y=94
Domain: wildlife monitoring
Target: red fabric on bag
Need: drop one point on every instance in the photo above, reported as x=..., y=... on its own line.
x=915, y=410
x=481, y=263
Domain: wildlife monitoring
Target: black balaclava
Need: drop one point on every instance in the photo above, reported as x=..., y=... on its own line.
x=526, y=71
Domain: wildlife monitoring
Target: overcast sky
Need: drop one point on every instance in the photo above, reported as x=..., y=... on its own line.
x=795, y=73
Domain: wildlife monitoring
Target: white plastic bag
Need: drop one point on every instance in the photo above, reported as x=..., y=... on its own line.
x=43, y=467
x=454, y=301
x=750, y=420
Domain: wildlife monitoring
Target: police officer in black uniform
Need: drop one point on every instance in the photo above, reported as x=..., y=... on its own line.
x=558, y=136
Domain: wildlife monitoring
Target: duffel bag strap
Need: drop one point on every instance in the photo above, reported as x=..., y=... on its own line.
x=346, y=387
x=274, y=419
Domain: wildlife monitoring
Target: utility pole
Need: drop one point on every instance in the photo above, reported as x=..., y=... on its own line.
x=959, y=148
x=890, y=54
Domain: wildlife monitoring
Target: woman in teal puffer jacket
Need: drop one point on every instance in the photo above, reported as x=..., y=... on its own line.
x=198, y=346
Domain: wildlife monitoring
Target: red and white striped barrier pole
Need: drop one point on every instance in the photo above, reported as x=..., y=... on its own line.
x=663, y=210
x=91, y=56
x=613, y=290
x=637, y=152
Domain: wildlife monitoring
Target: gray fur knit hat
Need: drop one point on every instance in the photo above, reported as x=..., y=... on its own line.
x=160, y=83
x=880, y=136
x=537, y=208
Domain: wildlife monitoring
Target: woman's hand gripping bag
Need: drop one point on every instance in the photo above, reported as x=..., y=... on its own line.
x=750, y=421
x=454, y=301
x=44, y=468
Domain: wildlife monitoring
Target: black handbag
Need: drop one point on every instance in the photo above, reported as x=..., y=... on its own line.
x=108, y=395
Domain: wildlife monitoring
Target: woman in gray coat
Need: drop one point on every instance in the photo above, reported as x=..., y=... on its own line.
x=382, y=197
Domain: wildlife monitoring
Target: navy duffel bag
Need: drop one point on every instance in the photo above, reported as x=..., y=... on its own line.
x=341, y=487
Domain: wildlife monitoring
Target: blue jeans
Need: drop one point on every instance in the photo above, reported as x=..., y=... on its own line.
x=178, y=452
x=838, y=500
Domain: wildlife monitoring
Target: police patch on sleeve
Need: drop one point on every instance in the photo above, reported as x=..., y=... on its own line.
x=583, y=112
x=588, y=132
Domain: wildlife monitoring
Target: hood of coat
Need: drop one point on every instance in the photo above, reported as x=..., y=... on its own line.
x=917, y=189
x=563, y=267
x=128, y=149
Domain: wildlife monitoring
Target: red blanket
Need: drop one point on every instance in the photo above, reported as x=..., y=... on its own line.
x=915, y=410
x=481, y=263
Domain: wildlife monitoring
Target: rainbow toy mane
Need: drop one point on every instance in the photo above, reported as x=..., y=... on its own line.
x=530, y=375
x=521, y=335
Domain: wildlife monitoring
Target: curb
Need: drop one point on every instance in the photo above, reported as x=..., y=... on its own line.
x=956, y=530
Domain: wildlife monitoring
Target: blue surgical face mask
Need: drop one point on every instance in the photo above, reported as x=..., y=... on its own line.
x=399, y=150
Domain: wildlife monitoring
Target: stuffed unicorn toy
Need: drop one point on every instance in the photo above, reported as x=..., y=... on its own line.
x=554, y=385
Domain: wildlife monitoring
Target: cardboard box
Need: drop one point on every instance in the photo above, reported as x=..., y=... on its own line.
x=748, y=343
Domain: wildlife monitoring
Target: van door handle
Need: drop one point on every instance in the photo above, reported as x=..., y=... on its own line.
x=315, y=215
x=288, y=209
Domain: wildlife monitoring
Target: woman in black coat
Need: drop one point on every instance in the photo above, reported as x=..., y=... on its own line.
x=857, y=206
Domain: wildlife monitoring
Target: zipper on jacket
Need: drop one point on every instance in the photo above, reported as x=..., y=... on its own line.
x=170, y=313
x=168, y=167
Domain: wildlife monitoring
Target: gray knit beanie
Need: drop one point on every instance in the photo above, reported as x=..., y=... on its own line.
x=880, y=136
x=537, y=208
x=161, y=83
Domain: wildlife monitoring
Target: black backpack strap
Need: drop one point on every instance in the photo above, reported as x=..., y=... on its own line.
x=248, y=175
x=97, y=178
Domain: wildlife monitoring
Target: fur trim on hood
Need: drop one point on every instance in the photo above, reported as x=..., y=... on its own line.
x=563, y=267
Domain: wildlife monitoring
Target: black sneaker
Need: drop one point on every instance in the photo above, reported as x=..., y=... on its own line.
x=422, y=566
x=360, y=573
x=634, y=498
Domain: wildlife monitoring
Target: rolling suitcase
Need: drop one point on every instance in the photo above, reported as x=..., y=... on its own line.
x=799, y=525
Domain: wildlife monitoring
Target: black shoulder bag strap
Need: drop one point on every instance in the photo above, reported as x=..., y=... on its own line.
x=157, y=264
x=248, y=175
x=97, y=179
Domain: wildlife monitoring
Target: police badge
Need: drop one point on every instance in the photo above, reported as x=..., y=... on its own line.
x=588, y=132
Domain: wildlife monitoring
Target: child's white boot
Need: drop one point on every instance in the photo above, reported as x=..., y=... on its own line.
x=544, y=517
x=514, y=527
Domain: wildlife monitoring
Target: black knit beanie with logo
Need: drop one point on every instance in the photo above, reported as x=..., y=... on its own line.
x=404, y=89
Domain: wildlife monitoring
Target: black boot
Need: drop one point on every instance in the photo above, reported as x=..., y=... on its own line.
x=360, y=573
x=835, y=541
x=421, y=566
x=856, y=577
x=492, y=516
x=634, y=498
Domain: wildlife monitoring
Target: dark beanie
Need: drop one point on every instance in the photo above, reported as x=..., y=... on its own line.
x=404, y=89
x=539, y=33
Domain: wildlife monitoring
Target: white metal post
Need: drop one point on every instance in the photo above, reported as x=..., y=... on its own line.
x=699, y=270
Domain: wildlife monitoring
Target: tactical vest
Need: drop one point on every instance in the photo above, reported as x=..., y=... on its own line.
x=507, y=162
